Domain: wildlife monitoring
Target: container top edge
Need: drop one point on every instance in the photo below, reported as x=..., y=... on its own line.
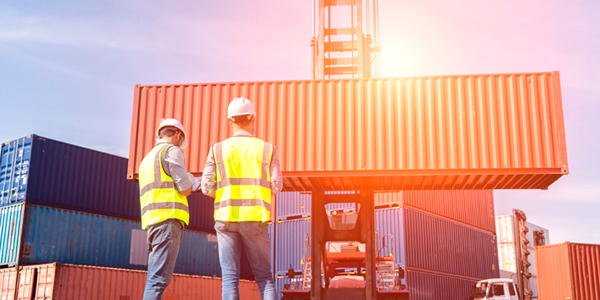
x=335, y=79
x=34, y=136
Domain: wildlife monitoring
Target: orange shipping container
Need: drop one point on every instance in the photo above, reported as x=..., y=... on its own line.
x=498, y=131
x=568, y=271
x=72, y=282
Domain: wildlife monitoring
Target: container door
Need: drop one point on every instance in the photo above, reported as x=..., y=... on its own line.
x=14, y=170
x=45, y=283
x=11, y=219
x=7, y=283
x=26, y=284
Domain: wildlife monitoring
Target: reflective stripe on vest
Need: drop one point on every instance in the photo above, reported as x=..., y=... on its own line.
x=159, y=199
x=243, y=180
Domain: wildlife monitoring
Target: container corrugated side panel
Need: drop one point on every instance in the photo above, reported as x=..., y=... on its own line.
x=11, y=218
x=67, y=176
x=292, y=204
x=424, y=286
x=199, y=254
x=490, y=131
x=8, y=277
x=289, y=245
x=64, y=236
x=15, y=159
x=584, y=260
x=474, y=208
x=202, y=212
x=436, y=244
x=554, y=272
x=70, y=282
x=390, y=221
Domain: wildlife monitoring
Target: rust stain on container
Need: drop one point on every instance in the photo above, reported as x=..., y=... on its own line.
x=568, y=271
x=494, y=131
x=70, y=282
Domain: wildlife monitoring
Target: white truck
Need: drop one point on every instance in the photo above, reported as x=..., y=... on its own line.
x=495, y=289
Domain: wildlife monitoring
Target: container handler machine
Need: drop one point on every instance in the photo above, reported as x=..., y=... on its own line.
x=342, y=51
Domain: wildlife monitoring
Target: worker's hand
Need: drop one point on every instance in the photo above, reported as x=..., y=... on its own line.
x=187, y=192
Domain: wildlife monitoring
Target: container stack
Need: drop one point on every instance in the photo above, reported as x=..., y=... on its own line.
x=66, y=204
x=444, y=240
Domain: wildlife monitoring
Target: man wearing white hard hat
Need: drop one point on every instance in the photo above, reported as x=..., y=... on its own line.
x=164, y=186
x=242, y=173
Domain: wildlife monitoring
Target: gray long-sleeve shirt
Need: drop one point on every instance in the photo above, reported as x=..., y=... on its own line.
x=209, y=175
x=174, y=165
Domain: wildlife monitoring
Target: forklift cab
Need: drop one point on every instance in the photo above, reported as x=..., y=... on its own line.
x=495, y=289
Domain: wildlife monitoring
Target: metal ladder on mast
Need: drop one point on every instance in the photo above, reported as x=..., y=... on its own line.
x=386, y=272
x=307, y=274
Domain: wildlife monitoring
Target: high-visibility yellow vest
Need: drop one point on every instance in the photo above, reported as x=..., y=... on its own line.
x=243, y=180
x=159, y=199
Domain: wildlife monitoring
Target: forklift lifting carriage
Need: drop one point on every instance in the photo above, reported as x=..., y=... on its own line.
x=362, y=232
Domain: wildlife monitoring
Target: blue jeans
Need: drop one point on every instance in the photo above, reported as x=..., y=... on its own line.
x=255, y=239
x=163, y=244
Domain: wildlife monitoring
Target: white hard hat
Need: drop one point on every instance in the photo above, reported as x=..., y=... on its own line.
x=172, y=123
x=239, y=107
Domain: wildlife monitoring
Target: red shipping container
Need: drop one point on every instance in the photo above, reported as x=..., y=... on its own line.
x=568, y=271
x=72, y=282
x=8, y=278
x=495, y=131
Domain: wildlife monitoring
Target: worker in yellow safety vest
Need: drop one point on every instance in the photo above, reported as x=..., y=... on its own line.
x=164, y=186
x=242, y=173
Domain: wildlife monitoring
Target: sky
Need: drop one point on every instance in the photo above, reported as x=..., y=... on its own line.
x=68, y=68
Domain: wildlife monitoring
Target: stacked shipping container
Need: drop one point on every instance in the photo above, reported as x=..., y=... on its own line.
x=42, y=171
x=445, y=239
x=67, y=204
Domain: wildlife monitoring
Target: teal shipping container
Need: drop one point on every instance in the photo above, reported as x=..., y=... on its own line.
x=10, y=233
x=72, y=237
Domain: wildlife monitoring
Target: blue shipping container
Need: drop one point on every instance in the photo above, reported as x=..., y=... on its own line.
x=42, y=171
x=66, y=236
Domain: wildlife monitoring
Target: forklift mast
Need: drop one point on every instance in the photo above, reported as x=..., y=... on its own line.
x=345, y=43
